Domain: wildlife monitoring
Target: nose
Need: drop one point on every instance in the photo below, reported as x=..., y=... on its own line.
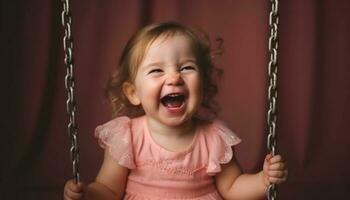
x=174, y=79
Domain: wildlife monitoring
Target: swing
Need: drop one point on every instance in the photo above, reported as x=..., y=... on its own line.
x=70, y=87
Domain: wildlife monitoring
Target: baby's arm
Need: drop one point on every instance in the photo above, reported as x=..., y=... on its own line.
x=110, y=181
x=232, y=184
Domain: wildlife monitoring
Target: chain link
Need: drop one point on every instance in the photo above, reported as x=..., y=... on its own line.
x=272, y=89
x=70, y=85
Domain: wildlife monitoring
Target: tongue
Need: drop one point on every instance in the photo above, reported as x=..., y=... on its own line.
x=173, y=104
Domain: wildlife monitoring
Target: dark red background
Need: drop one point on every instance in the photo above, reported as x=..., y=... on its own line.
x=314, y=86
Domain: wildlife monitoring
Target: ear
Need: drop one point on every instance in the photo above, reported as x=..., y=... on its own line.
x=130, y=92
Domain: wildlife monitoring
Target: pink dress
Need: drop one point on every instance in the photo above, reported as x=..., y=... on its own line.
x=157, y=173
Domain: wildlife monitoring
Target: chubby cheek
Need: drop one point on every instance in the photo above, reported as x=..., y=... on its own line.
x=196, y=88
x=149, y=94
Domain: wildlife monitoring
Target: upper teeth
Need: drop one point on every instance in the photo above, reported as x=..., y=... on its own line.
x=173, y=95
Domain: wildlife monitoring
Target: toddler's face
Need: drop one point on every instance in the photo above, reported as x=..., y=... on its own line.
x=167, y=83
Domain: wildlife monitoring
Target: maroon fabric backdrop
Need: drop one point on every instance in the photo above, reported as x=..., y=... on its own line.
x=314, y=86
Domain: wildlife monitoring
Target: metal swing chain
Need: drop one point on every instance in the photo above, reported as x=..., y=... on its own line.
x=69, y=84
x=272, y=89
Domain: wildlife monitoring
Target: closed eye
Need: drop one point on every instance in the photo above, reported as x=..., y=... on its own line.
x=155, y=71
x=188, y=68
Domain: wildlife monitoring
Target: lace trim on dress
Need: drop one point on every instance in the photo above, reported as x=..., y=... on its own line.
x=221, y=153
x=116, y=135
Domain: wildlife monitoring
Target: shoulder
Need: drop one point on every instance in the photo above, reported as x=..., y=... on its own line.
x=219, y=130
x=118, y=124
x=114, y=124
x=116, y=135
x=219, y=140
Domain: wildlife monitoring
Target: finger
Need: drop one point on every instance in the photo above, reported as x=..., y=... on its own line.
x=266, y=162
x=65, y=197
x=276, y=158
x=277, y=166
x=75, y=187
x=276, y=174
x=274, y=180
x=81, y=186
x=268, y=157
x=70, y=184
x=73, y=195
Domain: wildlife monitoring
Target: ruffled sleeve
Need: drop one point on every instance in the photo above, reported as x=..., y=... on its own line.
x=220, y=146
x=116, y=135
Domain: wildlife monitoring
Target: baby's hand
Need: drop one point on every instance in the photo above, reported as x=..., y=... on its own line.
x=275, y=170
x=73, y=191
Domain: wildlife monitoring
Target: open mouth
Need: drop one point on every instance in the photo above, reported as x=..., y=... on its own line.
x=173, y=100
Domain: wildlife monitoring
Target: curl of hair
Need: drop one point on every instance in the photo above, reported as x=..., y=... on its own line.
x=134, y=52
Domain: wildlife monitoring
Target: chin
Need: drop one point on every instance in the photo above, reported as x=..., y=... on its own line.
x=176, y=121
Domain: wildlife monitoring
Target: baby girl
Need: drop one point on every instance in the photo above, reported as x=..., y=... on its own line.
x=166, y=141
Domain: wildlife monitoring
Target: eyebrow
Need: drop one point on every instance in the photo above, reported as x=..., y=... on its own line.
x=189, y=60
x=154, y=64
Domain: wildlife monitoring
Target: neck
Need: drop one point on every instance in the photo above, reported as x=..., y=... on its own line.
x=156, y=127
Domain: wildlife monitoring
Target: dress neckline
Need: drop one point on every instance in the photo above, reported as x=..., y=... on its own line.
x=188, y=149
